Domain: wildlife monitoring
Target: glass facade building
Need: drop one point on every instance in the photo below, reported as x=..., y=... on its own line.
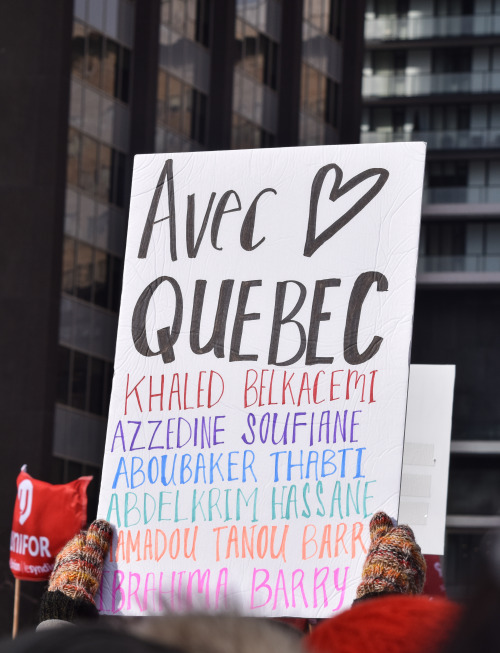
x=321, y=72
x=183, y=76
x=95, y=224
x=431, y=73
x=255, y=81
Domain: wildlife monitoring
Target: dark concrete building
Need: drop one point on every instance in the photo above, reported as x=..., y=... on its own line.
x=88, y=85
x=432, y=73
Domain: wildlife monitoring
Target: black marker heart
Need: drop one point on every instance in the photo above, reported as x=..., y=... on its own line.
x=312, y=242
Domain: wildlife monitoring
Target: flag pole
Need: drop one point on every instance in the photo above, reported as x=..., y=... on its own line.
x=17, y=592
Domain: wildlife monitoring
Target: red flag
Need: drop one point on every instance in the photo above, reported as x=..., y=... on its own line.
x=434, y=581
x=45, y=517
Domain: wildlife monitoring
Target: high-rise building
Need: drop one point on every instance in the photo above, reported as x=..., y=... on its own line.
x=95, y=223
x=90, y=84
x=432, y=73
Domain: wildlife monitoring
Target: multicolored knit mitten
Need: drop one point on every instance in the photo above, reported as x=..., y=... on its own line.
x=77, y=574
x=394, y=563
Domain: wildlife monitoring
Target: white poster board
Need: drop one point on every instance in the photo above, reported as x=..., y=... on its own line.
x=258, y=404
x=426, y=456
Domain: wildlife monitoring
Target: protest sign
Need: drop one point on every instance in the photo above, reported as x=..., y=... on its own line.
x=45, y=517
x=258, y=404
x=426, y=455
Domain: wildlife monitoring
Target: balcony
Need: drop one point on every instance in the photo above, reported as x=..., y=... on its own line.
x=409, y=85
x=426, y=27
x=482, y=438
x=460, y=271
x=462, y=195
x=460, y=263
x=439, y=140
